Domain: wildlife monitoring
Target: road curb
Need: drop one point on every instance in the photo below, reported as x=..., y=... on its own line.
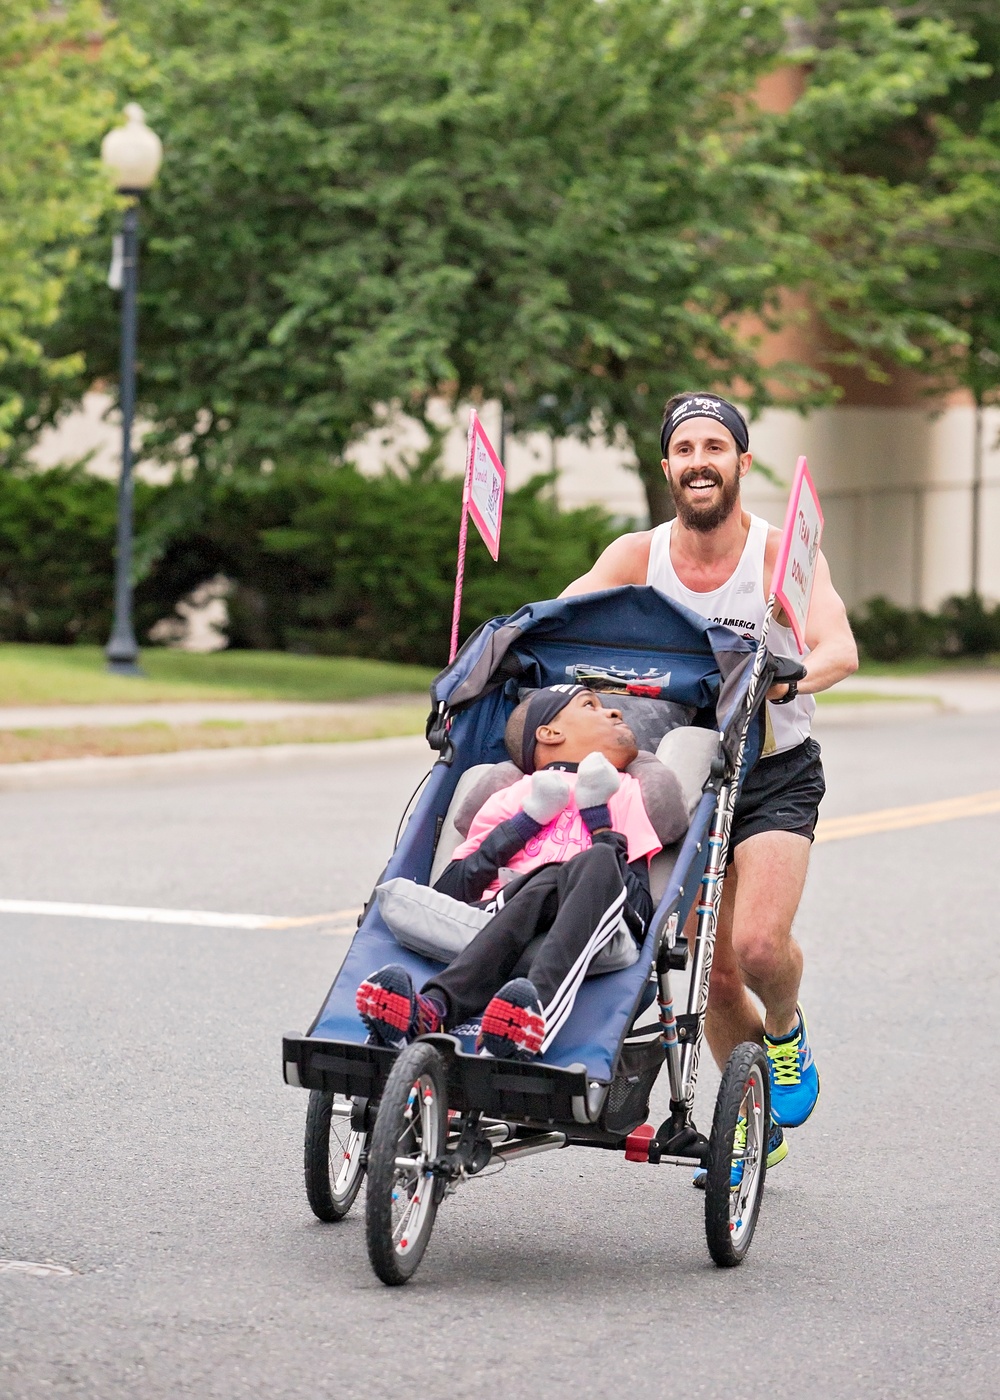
x=82, y=772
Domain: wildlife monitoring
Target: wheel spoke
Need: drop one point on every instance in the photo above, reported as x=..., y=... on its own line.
x=399, y=1230
x=744, y=1193
x=402, y=1186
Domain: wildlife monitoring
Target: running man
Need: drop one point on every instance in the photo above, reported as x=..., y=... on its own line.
x=717, y=560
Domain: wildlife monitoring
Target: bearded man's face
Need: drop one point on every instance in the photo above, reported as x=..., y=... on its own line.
x=703, y=472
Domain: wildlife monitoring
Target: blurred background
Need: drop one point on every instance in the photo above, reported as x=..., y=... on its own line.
x=371, y=216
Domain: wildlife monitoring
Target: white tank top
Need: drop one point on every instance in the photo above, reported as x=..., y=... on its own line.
x=741, y=605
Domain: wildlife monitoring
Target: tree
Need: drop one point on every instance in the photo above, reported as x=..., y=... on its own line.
x=57, y=68
x=574, y=207
x=947, y=153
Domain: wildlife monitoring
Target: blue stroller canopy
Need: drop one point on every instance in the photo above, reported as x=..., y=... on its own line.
x=628, y=629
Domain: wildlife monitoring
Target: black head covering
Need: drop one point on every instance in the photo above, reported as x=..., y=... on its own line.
x=543, y=706
x=707, y=406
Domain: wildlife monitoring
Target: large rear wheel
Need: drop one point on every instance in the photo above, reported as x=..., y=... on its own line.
x=737, y=1155
x=334, y=1156
x=410, y=1133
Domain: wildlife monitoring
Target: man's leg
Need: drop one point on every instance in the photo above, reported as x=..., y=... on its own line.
x=754, y=945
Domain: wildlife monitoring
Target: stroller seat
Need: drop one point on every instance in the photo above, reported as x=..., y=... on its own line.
x=688, y=752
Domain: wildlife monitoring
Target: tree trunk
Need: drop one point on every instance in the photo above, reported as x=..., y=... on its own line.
x=659, y=501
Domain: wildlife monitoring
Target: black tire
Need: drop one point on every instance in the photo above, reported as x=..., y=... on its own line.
x=731, y=1211
x=412, y=1123
x=334, y=1170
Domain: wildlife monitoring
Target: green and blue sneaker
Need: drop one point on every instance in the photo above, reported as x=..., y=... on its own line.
x=777, y=1151
x=794, y=1077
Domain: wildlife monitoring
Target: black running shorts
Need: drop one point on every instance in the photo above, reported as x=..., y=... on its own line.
x=781, y=793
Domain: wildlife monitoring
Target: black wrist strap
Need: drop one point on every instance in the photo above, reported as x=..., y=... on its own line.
x=789, y=695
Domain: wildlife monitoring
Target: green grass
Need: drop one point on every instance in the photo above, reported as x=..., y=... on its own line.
x=929, y=665
x=51, y=675
x=865, y=697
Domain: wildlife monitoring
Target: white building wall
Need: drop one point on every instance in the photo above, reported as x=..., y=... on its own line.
x=896, y=489
x=895, y=483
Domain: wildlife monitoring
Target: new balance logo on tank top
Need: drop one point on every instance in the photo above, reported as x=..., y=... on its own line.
x=741, y=605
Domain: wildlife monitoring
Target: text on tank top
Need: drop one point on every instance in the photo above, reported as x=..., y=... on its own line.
x=740, y=604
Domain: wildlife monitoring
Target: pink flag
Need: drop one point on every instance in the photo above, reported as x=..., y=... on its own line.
x=795, y=568
x=482, y=498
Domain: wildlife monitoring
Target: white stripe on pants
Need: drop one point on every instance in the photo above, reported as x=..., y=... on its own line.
x=561, y=1004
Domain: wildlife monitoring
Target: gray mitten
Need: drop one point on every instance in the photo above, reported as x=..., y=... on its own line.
x=596, y=781
x=547, y=798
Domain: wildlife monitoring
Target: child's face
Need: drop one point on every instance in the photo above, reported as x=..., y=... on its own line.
x=584, y=726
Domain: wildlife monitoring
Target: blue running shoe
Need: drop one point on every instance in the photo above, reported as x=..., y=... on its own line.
x=794, y=1077
x=777, y=1151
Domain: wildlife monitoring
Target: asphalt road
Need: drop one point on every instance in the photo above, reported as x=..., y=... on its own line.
x=149, y=1144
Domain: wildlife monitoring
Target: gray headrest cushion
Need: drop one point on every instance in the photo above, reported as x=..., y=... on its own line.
x=671, y=786
x=688, y=754
x=491, y=780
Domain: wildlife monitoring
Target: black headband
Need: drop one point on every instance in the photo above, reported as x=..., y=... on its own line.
x=543, y=706
x=707, y=406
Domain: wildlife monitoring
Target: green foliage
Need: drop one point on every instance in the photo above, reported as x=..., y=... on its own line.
x=573, y=207
x=329, y=561
x=58, y=68
x=963, y=283
x=965, y=626
x=944, y=157
x=56, y=547
x=322, y=560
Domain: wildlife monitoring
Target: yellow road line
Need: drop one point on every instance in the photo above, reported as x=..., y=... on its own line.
x=339, y=916
x=976, y=804
x=342, y=921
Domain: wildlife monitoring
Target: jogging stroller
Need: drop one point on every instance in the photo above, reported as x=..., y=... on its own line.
x=416, y=1123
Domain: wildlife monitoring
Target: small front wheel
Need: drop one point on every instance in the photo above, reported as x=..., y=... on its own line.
x=409, y=1135
x=334, y=1157
x=737, y=1155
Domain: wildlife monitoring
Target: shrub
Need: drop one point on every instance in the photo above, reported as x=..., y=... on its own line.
x=963, y=627
x=886, y=632
x=969, y=628
x=328, y=560
x=57, y=531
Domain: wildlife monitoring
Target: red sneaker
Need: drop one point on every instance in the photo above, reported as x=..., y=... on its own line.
x=513, y=1024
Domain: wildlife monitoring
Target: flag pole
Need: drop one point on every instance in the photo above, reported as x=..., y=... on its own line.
x=463, y=535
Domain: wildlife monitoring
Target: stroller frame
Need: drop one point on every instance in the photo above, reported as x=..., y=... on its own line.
x=502, y=1110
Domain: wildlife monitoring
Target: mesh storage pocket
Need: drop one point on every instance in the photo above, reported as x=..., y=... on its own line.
x=628, y=1098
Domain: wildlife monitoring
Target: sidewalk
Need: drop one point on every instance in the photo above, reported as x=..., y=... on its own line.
x=962, y=692
x=965, y=692
x=190, y=712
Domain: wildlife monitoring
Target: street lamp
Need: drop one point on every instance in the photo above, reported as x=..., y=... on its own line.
x=132, y=155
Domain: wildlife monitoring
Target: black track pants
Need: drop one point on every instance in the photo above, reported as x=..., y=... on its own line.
x=577, y=905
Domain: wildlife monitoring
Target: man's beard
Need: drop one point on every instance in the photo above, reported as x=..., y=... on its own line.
x=699, y=518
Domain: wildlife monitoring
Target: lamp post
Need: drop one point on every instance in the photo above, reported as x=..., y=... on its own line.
x=132, y=155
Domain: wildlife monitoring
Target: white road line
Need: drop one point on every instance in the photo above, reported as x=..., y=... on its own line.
x=195, y=918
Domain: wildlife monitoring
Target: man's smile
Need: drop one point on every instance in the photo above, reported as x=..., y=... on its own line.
x=701, y=479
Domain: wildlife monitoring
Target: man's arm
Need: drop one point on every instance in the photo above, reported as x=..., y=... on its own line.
x=833, y=652
x=625, y=560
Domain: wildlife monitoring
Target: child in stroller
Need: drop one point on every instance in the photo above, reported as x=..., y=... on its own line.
x=573, y=840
